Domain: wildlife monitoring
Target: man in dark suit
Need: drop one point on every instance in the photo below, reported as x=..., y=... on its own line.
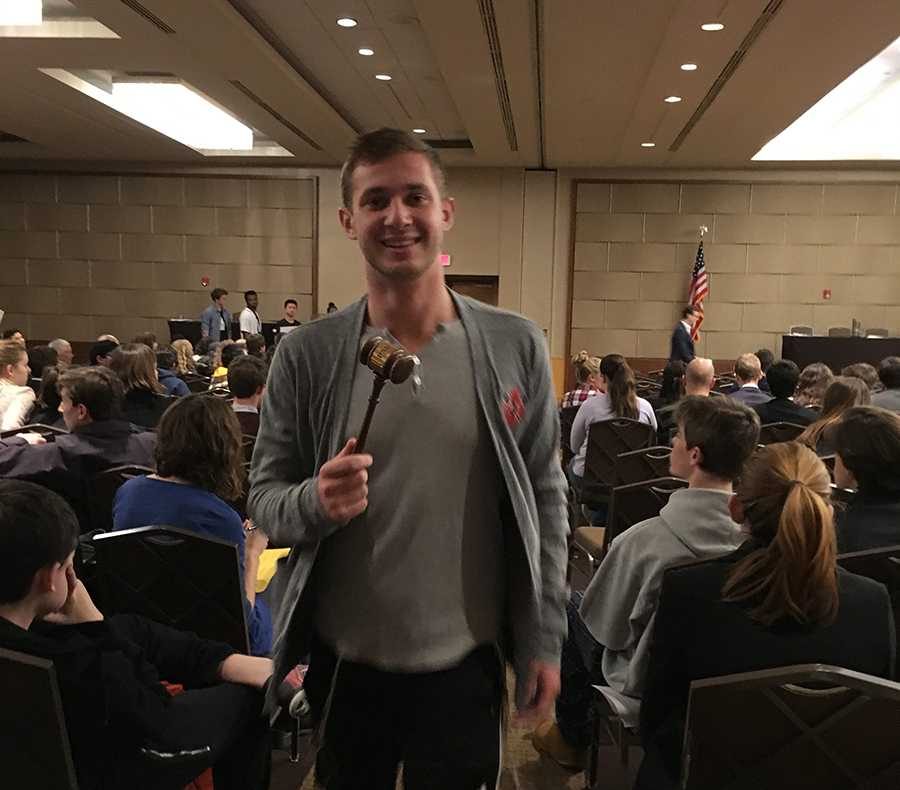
x=783, y=377
x=682, y=346
x=748, y=372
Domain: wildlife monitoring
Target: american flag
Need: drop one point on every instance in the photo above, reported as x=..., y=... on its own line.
x=699, y=290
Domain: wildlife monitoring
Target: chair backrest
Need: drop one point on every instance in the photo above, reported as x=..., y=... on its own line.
x=882, y=565
x=636, y=502
x=175, y=577
x=842, y=496
x=197, y=383
x=566, y=418
x=800, y=329
x=878, y=332
x=247, y=444
x=644, y=464
x=806, y=727
x=724, y=383
x=103, y=488
x=47, y=431
x=606, y=440
x=774, y=432
x=34, y=743
x=840, y=331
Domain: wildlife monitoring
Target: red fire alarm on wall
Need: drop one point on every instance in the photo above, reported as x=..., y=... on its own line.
x=826, y=294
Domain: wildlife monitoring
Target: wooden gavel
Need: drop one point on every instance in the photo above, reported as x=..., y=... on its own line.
x=389, y=363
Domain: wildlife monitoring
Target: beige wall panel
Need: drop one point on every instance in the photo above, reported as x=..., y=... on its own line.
x=745, y=288
x=121, y=219
x=282, y=193
x=218, y=249
x=36, y=299
x=808, y=288
x=89, y=189
x=59, y=273
x=118, y=274
x=537, y=238
x=49, y=327
x=627, y=257
x=20, y=321
x=594, y=198
x=93, y=301
x=730, y=345
x=715, y=198
x=600, y=342
x=588, y=314
x=778, y=259
x=265, y=222
x=91, y=246
x=154, y=304
x=641, y=315
x=183, y=276
x=193, y=221
x=216, y=192
x=757, y=229
x=12, y=272
x=891, y=319
x=731, y=258
x=876, y=290
x=22, y=188
x=22, y=244
x=666, y=287
x=675, y=227
x=722, y=316
x=262, y=278
x=47, y=216
x=154, y=247
x=609, y=227
x=12, y=216
x=340, y=269
x=845, y=259
x=646, y=198
x=786, y=199
x=775, y=317
x=828, y=315
x=859, y=199
x=879, y=230
x=153, y=190
x=653, y=344
x=592, y=257
x=603, y=285
x=124, y=327
x=195, y=302
x=280, y=251
x=820, y=230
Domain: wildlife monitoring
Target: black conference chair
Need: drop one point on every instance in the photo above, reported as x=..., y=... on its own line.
x=800, y=329
x=644, y=464
x=774, y=432
x=47, y=431
x=104, y=486
x=606, y=441
x=566, y=418
x=805, y=727
x=175, y=577
x=197, y=383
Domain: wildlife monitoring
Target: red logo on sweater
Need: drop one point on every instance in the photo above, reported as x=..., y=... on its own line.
x=513, y=408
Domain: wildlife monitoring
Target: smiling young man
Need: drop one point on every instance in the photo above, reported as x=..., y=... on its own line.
x=421, y=564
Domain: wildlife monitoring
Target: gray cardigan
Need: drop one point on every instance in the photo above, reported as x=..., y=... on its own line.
x=303, y=423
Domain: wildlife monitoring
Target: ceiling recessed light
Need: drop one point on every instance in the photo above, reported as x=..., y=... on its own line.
x=688, y=66
x=712, y=26
x=673, y=99
x=383, y=77
x=648, y=145
x=347, y=21
x=366, y=51
x=420, y=130
x=25, y=12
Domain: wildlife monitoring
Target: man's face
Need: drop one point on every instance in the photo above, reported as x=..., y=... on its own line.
x=252, y=301
x=682, y=460
x=290, y=310
x=66, y=355
x=398, y=216
x=104, y=361
x=691, y=319
x=220, y=302
x=60, y=578
x=843, y=477
x=73, y=415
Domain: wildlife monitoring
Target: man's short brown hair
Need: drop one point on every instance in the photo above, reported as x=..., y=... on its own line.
x=374, y=147
x=246, y=375
x=747, y=367
x=725, y=431
x=98, y=389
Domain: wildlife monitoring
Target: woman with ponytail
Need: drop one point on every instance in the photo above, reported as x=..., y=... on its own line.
x=842, y=394
x=616, y=399
x=778, y=600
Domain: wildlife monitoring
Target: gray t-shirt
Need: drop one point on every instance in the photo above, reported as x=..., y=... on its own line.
x=417, y=581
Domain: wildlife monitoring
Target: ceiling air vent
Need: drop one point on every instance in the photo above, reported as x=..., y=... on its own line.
x=489, y=20
x=762, y=21
x=464, y=143
x=152, y=18
x=7, y=137
x=275, y=114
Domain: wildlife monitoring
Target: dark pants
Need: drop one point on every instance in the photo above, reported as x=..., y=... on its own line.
x=443, y=726
x=227, y=718
x=579, y=670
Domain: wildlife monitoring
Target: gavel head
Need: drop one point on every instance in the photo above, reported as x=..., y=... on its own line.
x=386, y=360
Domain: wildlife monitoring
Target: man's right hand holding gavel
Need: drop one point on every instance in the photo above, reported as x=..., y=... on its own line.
x=342, y=484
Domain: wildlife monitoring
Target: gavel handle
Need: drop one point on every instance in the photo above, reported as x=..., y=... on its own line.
x=377, y=386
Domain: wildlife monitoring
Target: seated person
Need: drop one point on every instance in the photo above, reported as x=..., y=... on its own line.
x=843, y=393
x=101, y=352
x=766, y=358
x=699, y=379
x=748, y=372
x=256, y=345
x=616, y=398
x=46, y=408
x=223, y=355
x=783, y=377
x=64, y=354
x=40, y=357
x=90, y=404
x=16, y=397
x=587, y=369
x=145, y=399
x=715, y=438
x=146, y=339
x=109, y=670
x=198, y=471
x=779, y=600
x=889, y=373
x=247, y=382
x=866, y=373
x=165, y=370
x=867, y=458
x=184, y=357
x=814, y=380
x=13, y=334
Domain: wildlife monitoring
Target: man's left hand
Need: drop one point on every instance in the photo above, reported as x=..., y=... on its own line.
x=541, y=691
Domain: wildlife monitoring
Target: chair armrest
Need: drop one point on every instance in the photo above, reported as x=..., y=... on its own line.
x=626, y=709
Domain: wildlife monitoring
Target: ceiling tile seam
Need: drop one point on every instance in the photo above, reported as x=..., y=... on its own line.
x=489, y=22
x=539, y=75
x=275, y=114
x=147, y=14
